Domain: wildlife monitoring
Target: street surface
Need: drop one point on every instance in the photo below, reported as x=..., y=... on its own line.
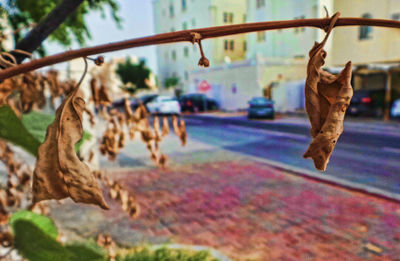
x=367, y=155
x=216, y=192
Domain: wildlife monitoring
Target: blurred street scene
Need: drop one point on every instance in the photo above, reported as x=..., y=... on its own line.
x=219, y=192
x=240, y=187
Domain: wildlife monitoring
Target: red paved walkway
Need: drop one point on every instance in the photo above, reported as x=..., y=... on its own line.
x=250, y=211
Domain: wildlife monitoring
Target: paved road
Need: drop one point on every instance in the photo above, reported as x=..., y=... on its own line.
x=364, y=158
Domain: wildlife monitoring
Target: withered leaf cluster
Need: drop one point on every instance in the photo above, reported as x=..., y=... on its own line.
x=126, y=199
x=121, y=125
x=27, y=91
x=327, y=98
x=59, y=173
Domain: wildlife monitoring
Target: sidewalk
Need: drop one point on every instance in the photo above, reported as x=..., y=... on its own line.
x=362, y=125
x=243, y=208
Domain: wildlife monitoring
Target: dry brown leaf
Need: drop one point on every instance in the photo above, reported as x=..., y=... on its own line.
x=6, y=88
x=165, y=127
x=334, y=98
x=59, y=173
x=104, y=98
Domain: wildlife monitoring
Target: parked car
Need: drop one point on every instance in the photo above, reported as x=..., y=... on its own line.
x=164, y=105
x=260, y=107
x=395, y=111
x=367, y=103
x=196, y=102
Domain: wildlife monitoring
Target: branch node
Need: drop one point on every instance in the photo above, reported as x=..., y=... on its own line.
x=99, y=60
x=196, y=38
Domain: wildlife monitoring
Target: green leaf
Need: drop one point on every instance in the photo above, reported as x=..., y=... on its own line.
x=42, y=222
x=87, y=251
x=35, y=245
x=36, y=123
x=36, y=239
x=12, y=129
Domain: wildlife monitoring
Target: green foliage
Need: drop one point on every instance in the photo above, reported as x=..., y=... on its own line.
x=22, y=13
x=171, y=82
x=42, y=222
x=133, y=75
x=35, y=239
x=29, y=132
x=165, y=254
x=37, y=122
x=12, y=129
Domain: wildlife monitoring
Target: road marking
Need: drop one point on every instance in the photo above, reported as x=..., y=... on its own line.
x=394, y=150
x=272, y=133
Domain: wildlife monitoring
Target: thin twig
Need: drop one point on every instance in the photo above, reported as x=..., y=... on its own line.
x=187, y=36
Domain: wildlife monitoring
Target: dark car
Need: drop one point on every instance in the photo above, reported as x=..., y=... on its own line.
x=197, y=102
x=260, y=107
x=367, y=103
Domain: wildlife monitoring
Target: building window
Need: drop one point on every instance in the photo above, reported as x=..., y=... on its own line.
x=261, y=36
x=225, y=17
x=186, y=51
x=186, y=75
x=226, y=45
x=173, y=55
x=184, y=5
x=230, y=17
x=365, y=32
x=396, y=16
x=260, y=3
x=193, y=23
x=232, y=45
x=171, y=10
x=184, y=26
x=245, y=46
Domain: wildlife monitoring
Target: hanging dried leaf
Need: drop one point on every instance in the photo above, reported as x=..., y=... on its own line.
x=121, y=141
x=6, y=88
x=165, y=128
x=95, y=91
x=327, y=98
x=59, y=173
x=162, y=161
x=104, y=98
x=180, y=129
x=109, y=144
x=334, y=98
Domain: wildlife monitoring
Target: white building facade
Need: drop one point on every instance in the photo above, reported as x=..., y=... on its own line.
x=180, y=59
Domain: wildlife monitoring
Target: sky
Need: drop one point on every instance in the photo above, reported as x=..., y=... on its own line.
x=137, y=16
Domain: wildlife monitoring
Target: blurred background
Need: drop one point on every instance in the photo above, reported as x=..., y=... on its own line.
x=240, y=188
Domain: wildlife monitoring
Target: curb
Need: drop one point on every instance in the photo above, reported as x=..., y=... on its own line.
x=330, y=180
x=300, y=172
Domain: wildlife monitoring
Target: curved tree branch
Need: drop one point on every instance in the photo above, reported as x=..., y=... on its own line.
x=187, y=36
x=37, y=35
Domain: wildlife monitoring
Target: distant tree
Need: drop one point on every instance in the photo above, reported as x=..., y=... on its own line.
x=171, y=82
x=133, y=76
x=62, y=21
